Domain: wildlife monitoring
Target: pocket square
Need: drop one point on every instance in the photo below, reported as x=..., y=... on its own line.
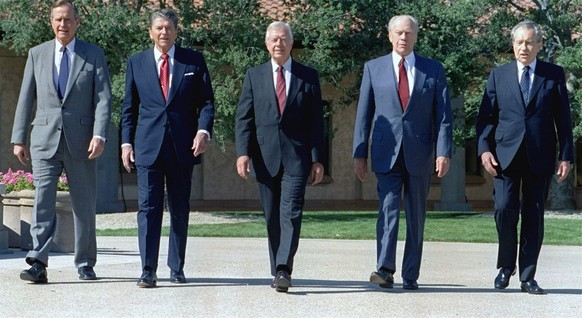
x=189, y=74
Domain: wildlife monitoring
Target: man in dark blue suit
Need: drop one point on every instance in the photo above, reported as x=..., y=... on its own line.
x=279, y=128
x=166, y=122
x=404, y=106
x=524, y=112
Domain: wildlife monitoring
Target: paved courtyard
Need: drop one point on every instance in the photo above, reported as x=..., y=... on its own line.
x=229, y=277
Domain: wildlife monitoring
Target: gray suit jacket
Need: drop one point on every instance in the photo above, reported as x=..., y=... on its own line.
x=425, y=126
x=85, y=110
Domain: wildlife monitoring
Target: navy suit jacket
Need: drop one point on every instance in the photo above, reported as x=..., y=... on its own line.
x=422, y=127
x=145, y=114
x=295, y=138
x=504, y=121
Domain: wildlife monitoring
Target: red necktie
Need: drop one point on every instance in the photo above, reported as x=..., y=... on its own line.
x=165, y=75
x=403, y=85
x=280, y=88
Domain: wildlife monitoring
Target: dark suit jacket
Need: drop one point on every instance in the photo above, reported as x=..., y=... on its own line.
x=294, y=139
x=424, y=126
x=145, y=114
x=504, y=122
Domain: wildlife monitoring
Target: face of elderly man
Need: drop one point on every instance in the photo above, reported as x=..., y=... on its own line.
x=526, y=45
x=164, y=33
x=279, y=44
x=64, y=23
x=402, y=34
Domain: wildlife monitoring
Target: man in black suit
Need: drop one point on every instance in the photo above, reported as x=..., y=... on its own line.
x=279, y=128
x=166, y=122
x=524, y=112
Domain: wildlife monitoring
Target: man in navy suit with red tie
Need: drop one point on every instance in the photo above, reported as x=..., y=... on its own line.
x=404, y=117
x=166, y=122
x=524, y=113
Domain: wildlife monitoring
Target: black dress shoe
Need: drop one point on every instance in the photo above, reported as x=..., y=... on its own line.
x=177, y=277
x=532, y=287
x=148, y=279
x=383, y=278
x=409, y=284
x=282, y=281
x=502, y=279
x=86, y=273
x=36, y=273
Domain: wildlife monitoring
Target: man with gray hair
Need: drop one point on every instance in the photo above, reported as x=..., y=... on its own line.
x=166, y=121
x=404, y=107
x=523, y=114
x=279, y=129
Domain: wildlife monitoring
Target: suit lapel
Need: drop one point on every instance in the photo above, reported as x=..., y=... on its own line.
x=79, y=60
x=511, y=80
x=150, y=69
x=177, y=74
x=266, y=81
x=295, y=83
x=538, y=81
x=419, y=79
x=48, y=67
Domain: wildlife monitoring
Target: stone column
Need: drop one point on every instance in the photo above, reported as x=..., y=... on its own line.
x=108, y=178
x=453, y=183
x=3, y=232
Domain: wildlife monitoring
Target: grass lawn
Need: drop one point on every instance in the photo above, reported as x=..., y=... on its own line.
x=357, y=225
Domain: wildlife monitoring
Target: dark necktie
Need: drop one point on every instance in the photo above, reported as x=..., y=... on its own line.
x=524, y=84
x=63, y=74
x=280, y=88
x=403, y=85
x=165, y=75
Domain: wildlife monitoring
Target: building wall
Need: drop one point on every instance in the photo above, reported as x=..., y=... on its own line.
x=11, y=70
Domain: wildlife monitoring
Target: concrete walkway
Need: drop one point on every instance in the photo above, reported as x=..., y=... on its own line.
x=229, y=277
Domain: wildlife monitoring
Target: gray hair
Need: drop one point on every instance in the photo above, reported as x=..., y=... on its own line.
x=528, y=24
x=165, y=14
x=277, y=25
x=409, y=17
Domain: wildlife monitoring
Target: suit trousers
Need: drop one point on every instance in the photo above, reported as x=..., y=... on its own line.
x=81, y=176
x=282, y=197
x=177, y=177
x=518, y=177
x=390, y=187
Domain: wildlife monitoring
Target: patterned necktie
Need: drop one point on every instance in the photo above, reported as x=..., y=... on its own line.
x=165, y=75
x=403, y=85
x=280, y=88
x=524, y=84
x=63, y=74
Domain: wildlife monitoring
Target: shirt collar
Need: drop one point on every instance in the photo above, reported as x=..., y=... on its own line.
x=286, y=65
x=158, y=54
x=532, y=66
x=410, y=59
x=70, y=46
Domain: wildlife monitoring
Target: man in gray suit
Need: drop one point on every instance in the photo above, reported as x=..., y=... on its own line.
x=404, y=105
x=69, y=81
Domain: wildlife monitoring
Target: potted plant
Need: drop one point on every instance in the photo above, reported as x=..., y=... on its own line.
x=18, y=202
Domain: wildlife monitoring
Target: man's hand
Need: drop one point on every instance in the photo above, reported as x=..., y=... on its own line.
x=96, y=147
x=200, y=144
x=489, y=163
x=243, y=166
x=563, y=170
x=442, y=165
x=316, y=174
x=21, y=153
x=127, y=158
x=361, y=168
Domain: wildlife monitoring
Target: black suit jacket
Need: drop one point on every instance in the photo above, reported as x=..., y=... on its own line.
x=295, y=138
x=504, y=121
